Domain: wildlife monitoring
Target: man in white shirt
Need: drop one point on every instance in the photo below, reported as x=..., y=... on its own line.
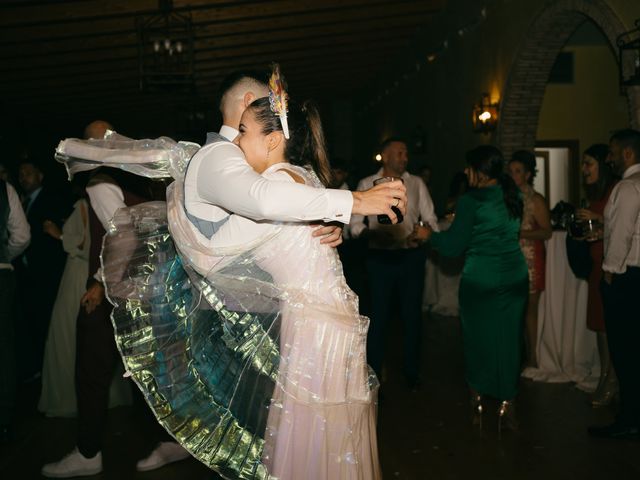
x=395, y=262
x=621, y=283
x=14, y=238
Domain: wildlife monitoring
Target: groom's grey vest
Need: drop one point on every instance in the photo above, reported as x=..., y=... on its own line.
x=207, y=227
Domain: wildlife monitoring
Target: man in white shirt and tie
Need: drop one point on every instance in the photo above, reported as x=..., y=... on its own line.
x=621, y=283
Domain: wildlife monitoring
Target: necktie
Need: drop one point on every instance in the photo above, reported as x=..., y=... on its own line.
x=26, y=201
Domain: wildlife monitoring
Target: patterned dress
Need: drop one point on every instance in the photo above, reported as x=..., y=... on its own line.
x=533, y=250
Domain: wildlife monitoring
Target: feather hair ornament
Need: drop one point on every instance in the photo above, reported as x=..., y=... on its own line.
x=278, y=98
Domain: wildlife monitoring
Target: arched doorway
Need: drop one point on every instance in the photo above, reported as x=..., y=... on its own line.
x=524, y=92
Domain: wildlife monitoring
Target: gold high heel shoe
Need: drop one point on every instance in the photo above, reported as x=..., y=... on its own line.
x=605, y=399
x=507, y=417
x=476, y=410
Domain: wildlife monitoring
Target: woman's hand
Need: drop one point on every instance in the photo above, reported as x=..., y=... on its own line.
x=52, y=229
x=379, y=199
x=584, y=214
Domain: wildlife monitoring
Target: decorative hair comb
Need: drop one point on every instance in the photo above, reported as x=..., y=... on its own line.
x=278, y=98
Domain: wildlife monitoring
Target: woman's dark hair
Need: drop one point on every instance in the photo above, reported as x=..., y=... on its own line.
x=596, y=191
x=488, y=160
x=305, y=146
x=528, y=161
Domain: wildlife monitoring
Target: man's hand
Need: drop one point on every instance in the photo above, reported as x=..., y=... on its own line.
x=330, y=234
x=52, y=229
x=584, y=214
x=93, y=296
x=379, y=199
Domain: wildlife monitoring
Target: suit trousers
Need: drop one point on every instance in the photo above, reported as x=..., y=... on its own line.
x=396, y=279
x=622, y=320
x=97, y=357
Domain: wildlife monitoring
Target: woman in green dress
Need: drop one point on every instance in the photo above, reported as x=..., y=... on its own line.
x=494, y=285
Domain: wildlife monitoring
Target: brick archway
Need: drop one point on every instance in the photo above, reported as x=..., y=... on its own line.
x=545, y=38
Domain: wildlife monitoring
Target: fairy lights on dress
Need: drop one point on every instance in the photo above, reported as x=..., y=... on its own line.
x=278, y=98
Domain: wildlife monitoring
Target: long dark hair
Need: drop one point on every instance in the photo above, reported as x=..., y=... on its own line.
x=488, y=160
x=305, y=146
x=596, y=191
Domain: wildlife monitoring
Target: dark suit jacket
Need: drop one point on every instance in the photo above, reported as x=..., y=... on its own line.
x=45, y=255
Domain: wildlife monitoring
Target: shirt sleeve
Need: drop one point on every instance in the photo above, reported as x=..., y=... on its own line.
x=238, y=231
x=17, y=225
x=225, y=179
x=357, y=225
x=105, y=198
x=427, y=211
x=454, y=241
x=620, y=226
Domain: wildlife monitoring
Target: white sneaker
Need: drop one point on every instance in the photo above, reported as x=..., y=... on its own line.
x=73, y=464
x=163, y=454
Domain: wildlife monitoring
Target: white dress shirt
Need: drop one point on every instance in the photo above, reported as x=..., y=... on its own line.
x=32, y=198
x=17, y=227
x=219, y=175
x=105, y=198
x=622, y=224
x=228, y=132
x=419, y=208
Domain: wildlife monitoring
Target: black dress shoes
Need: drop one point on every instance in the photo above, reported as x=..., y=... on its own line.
x=615, y=430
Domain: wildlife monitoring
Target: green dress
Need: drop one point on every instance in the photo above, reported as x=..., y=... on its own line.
x=493, y=289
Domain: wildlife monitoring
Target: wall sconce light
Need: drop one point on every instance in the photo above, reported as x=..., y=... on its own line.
x=378, y=157
x=485, y=115
x=629, y=57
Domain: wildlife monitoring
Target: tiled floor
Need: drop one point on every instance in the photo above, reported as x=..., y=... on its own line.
x=423, y=435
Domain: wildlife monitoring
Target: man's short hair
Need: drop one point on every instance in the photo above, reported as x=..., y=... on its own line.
x=388, y=141
x=628, y=138
x=252, y=79
x=97, y=129
x=35, y=163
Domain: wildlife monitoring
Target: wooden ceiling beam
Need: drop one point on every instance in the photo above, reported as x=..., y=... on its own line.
x=221, y=59
x=211, y=49
x=205, y=10
x=224, y=24
x=207, y=37
x=207, y=88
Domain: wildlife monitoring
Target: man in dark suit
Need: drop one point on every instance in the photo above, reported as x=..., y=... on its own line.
x=41, y=265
